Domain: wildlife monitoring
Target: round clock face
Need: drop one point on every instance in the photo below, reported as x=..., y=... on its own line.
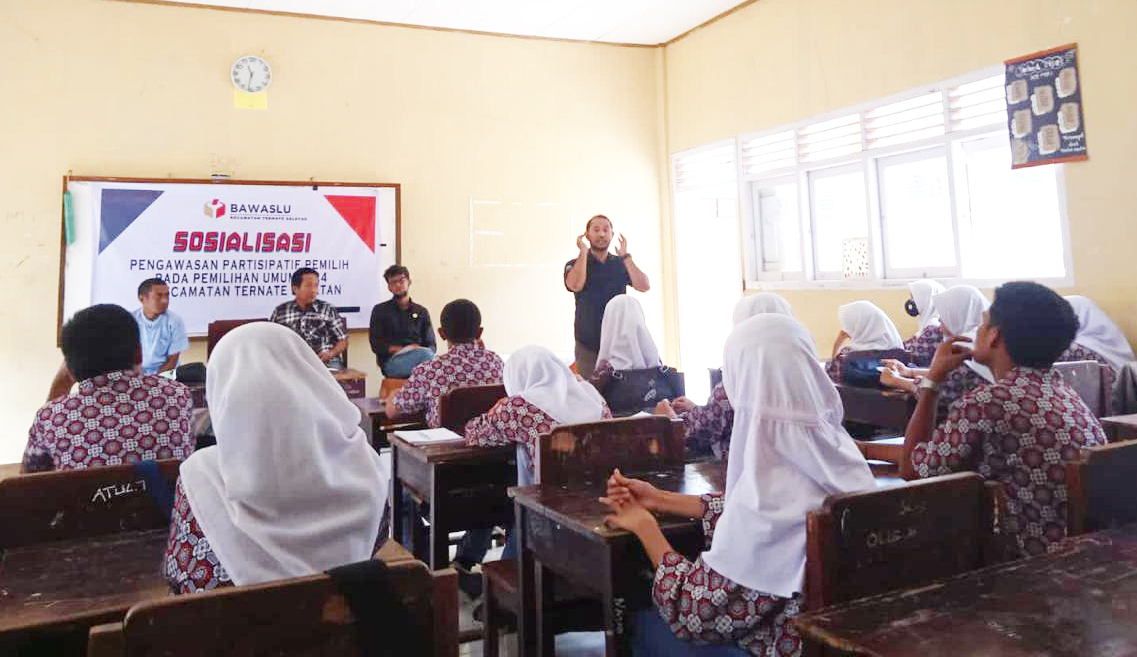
x=250, y=74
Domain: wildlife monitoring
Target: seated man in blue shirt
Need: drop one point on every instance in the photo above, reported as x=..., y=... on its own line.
x=162, y=333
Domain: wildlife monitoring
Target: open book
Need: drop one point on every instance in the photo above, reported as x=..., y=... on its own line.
x=429, y=436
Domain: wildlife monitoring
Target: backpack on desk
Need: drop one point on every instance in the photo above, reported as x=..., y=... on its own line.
x=632, y=391
x=862, y=368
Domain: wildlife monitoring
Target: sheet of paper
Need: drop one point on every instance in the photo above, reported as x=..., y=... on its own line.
x=429, y=436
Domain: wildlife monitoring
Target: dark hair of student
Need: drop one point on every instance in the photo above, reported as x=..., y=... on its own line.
x=599, y=216
x=1036, y=323
x=298, y=275
x=396, y=270
x=461, y=320
x=144, y=286
x=100, y=339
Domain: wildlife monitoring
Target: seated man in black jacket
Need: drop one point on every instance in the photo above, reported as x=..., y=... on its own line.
x=401, y=334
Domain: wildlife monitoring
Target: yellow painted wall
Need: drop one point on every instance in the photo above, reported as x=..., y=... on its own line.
x=780, y=61
x=121, y=89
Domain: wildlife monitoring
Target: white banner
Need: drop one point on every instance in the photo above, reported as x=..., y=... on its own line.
x=228, y=251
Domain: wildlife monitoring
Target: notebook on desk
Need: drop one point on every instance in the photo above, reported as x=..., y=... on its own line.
x=429, y=436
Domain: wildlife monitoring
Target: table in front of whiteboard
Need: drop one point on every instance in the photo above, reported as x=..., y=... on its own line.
x=54, y=592
x=1079, y=600
x=465, y=488
x=562, y=531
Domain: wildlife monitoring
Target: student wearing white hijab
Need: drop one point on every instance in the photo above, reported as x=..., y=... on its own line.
x=625, y=343
x=923, y=344
x=961, y=310
x=708, y=426
x=1098, y=334
x=789, y=453
x=1098, y=339
x=540, y=394
x=864, y=327
x=292, y=487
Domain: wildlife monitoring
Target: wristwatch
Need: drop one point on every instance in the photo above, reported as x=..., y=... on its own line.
x=927, y=384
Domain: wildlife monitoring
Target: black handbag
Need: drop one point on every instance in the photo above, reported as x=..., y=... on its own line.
x=862, y=368
x=632, y=391
x=190, y=373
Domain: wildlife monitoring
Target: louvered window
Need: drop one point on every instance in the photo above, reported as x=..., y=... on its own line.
x=830, y=139
x=905, y=121
x=769, y=153
x=705, y=167
x=978, y=104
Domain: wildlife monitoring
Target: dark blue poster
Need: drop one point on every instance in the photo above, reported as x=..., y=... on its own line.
x=1044, y=108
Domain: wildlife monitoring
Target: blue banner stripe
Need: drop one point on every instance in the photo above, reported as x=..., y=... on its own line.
x=120, y=207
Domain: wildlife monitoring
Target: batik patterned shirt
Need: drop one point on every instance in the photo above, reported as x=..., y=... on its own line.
x=512, y=420
x=704, y=607
x=1020, y=431
x=709, y=426
x=190, y=565
x=111, y=419
x=923, y=345
x=465, y=364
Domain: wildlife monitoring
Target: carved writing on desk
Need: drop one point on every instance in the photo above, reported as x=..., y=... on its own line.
x=108, y=493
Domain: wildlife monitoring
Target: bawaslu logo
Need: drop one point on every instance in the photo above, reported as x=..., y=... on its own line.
x=215, y=209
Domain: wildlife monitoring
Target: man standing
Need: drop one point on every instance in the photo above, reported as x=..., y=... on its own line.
x=162, y=332
x=117, y=415
x=595, y=276
x=314, y=320
x=401, y=334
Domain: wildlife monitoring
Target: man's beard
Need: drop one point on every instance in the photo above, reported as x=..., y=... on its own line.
x=400, y=295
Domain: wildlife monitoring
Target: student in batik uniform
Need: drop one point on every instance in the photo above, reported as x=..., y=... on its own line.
x=708, y=426
x=923, y=344
x=961, y=311
x=541, y=393
x=789, y=453
x=1098, y=339
x=291, y=488
x=1021, y=430
x=864, y=327
x=466, y=363
x=117, y=415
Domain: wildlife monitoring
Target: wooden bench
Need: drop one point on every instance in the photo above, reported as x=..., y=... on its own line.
x=1100, y=489
x=69, y=504
x=79, y=547
x=299, y=616
x=861, y=544
x=578, y=456
x=461, y=405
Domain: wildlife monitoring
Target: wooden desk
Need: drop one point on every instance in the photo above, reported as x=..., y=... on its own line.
x=564, y=530
x=1120, y=427
x=10, y=470
x=57, y=591
x=881, y=408
x=465, y=488
x=353, y=382
x=1081, y=600
x=376, y=425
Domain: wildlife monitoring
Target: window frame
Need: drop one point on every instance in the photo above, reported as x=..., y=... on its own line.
x=914, y=273
x=868, y=159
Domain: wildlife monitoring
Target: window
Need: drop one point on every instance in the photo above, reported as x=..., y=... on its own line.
x=1014, y=226
x=778, y=226
x=920, y=183
x=915, y=213
x=838, y=209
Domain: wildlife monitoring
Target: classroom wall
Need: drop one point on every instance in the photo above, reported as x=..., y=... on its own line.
x=779, y=61
x=124, y=89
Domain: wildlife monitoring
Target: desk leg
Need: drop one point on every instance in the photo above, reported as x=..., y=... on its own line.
x=617, y=636
x=439, y=544
x=546, y=633
x=398, y=499
x=526, y=583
